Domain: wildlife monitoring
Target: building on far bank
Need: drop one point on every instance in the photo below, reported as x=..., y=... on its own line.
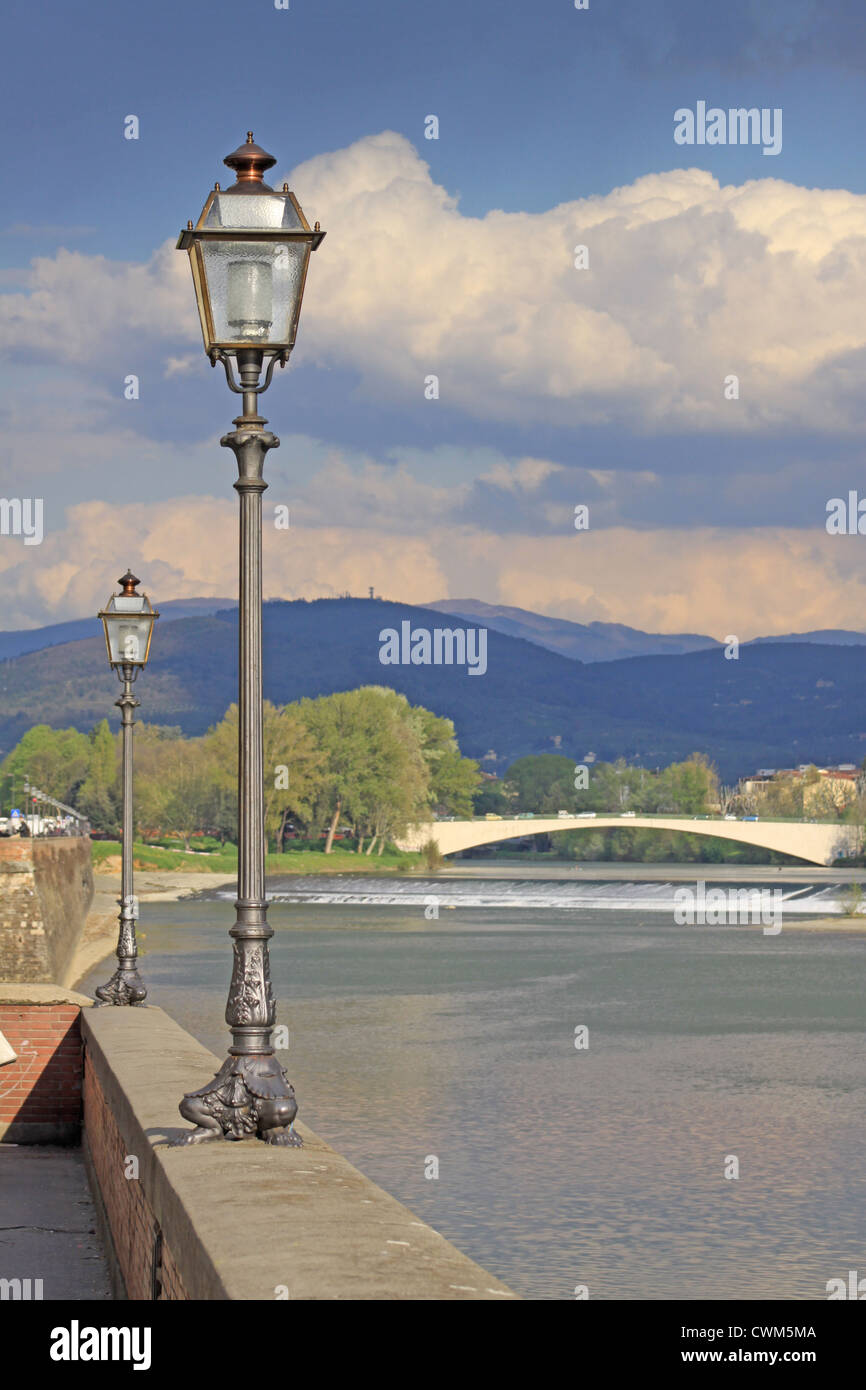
x=823, y=788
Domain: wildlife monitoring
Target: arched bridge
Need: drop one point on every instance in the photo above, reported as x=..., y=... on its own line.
x=816, y=843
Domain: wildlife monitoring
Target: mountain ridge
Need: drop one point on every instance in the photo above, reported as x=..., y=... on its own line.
x=586, y=642
x=779, y=704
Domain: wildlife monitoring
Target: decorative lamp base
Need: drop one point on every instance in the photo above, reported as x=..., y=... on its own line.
x=124, y=987
x=250, y=1095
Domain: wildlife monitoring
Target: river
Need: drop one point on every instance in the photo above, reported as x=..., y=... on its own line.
x=414, y=1037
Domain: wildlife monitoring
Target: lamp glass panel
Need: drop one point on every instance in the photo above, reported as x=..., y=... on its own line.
x=253, y=212
x=253, y=287
x=127, y=628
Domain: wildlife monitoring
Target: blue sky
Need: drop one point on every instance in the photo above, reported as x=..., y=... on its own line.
x=538, y=103
x=591, y=394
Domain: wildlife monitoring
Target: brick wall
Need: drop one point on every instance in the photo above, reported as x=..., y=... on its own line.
x=40, y=1092
x=142, y=1254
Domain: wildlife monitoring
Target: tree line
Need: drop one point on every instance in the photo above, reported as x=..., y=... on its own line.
x=368, y=762
x=550, y=782
x=365, y=759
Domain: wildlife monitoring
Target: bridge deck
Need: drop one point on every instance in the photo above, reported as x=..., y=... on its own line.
x=817, y=843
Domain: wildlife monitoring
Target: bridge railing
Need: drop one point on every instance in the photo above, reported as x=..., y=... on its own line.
x=642, y=815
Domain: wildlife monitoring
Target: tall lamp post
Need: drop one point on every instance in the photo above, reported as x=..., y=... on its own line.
x=249, y=253
x=128, y=620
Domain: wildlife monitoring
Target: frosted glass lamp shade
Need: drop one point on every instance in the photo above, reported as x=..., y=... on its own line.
x=249, y=254
x=128, y=623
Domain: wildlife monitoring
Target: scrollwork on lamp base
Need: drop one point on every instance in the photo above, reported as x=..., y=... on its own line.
x=124, y=987
x=250, y=1095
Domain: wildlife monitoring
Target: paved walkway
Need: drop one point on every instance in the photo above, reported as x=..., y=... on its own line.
x=48, y=1223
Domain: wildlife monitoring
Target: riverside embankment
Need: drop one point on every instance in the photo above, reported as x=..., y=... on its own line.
x=46, y=888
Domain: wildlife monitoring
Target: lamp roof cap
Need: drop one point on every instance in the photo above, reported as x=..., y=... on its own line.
x=249, y=162
x=128, y=582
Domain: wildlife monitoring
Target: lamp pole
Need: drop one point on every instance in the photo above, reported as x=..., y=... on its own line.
x=127, y=632
x=249, y=255
x=251, y=1093
x=125, y=985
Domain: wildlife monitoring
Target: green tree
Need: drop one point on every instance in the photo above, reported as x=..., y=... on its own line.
x=332, y=722
x=378, y=754
x=291, y=765
x=690, y=787
x=542, y=783
x=453, y=778
x=178, y=792
x=394, y=786
x=54, y=760
x=98, y=796
x=492, y=797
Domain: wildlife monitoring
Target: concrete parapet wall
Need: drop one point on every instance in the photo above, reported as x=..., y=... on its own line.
x=242, y=1220
x=46, y=887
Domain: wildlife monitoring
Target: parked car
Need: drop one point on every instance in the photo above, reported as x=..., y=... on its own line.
x=586, y=815
x=491, y=815
x=624, y=815
x=565, y=815
x=750, y=817
x=730, y=817
x=526, y=815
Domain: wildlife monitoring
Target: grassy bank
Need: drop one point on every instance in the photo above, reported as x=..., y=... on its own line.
x=106, y=856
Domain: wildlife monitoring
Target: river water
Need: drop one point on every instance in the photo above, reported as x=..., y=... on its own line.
x=413, y=1038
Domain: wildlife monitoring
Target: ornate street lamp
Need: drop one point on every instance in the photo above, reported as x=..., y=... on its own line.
x=249, y=253
x=128, y=620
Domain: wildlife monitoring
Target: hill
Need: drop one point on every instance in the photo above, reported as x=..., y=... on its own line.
x=778, y=704
x=599, y=641
x=581, y=641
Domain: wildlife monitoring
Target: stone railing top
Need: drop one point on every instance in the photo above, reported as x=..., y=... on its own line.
x=13, y=992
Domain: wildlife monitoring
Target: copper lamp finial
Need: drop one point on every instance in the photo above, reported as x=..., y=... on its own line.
x=249, y=163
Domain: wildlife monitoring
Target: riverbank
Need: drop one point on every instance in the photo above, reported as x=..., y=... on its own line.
x=155, y=859
x=99, y=938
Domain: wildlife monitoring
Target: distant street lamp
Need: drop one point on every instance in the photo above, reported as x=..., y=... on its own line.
x=249, y=253
x=128, y=620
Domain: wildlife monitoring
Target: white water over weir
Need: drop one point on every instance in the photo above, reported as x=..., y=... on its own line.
x=358, y=891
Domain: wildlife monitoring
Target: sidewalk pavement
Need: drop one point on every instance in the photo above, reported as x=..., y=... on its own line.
x=48, y=1224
